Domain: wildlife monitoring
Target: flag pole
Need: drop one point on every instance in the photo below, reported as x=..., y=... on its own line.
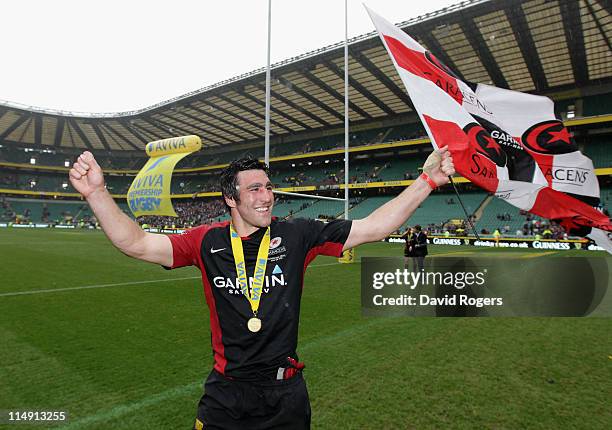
x=469, y=218
x=267, y=115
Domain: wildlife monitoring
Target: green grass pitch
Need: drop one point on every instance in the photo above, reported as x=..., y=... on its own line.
x=132, y=352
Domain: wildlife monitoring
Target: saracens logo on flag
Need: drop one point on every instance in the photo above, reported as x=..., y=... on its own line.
x=507, y=142
x=549, y=137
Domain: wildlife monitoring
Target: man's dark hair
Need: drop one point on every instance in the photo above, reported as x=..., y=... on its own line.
x=229, y=176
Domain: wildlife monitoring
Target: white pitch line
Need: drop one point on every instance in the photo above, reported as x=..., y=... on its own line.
x=534, y=255
x=88, y=287
x=324, y=264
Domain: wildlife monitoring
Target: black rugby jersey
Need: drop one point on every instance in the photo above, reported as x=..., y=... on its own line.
x=294, y=244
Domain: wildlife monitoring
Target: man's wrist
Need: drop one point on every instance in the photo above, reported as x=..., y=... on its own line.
x=429, y=181
x=97, y=192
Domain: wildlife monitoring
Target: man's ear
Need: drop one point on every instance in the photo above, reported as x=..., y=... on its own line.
x=230, y=201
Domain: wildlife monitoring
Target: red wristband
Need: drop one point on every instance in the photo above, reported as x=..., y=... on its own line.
x=427, y=179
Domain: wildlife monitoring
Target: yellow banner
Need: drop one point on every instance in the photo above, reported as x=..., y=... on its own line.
x=149, y=193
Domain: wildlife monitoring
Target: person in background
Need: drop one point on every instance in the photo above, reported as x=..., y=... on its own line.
x=496, y=236
x=408, y=248
x=419, y=239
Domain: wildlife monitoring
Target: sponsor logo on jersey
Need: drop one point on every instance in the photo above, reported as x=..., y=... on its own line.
x=276, y=279
x=278, y=250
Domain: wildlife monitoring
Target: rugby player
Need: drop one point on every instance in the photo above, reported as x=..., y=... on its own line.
x=253, y=272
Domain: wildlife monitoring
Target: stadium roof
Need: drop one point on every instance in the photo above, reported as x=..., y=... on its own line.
x=540, y=46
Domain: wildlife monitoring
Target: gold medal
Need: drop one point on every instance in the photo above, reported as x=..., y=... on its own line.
x=254, y=324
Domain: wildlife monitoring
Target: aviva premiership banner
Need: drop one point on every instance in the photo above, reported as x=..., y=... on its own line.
x=149, y=194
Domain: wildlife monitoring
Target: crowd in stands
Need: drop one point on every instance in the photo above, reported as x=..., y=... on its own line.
x=366, y=176
x=196, y=212
x=296, y=180
x=534, y=226
x=190, y=214
x=504, y=217
x=536, y=229
x=364, y=173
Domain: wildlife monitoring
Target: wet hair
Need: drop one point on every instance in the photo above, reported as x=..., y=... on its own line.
x=229, y=176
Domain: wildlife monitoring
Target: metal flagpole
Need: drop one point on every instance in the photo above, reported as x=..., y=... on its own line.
x=346, y=113
x=467, y=216
x=267, y=127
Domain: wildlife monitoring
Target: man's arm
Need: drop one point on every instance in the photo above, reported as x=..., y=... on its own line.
x=87, y=178
x=390, y=216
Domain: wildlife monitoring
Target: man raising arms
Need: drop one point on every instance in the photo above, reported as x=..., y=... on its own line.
x=253, y=272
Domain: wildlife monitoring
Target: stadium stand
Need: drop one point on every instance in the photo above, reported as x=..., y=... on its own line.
x=42, y=211
x=597, y=105
x=190, y=214
x=307, y=208
x=387, y=140
x=599, y=150
x=502, y=216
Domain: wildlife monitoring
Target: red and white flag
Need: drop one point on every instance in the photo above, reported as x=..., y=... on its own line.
x=507, y=142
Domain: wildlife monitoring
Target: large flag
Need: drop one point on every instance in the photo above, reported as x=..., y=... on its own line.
x=507, y=142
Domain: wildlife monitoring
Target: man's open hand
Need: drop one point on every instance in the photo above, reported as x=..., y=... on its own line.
x=86, y=175
x=439, y=166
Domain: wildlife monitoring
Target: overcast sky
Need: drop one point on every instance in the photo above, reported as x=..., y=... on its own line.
x=121, y=55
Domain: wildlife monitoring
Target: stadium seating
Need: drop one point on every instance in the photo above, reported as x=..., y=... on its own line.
x=606, y=198
x=599, y=149
x=285, y=208
x=396, y=170
x=404, y=132
x=490, y=219
x=367, y=206
x=57, y=210
x=56, y=158
x=437, y=209
x=597, y=105
x=365, y=167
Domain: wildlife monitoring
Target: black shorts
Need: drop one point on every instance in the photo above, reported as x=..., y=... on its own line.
x=274, y=404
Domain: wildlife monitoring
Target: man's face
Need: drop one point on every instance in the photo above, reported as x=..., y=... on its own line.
x=256, y=198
